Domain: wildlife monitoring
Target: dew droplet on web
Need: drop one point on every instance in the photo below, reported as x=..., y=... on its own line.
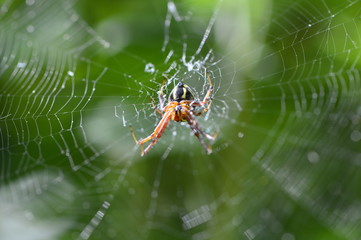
x=21, y=65
x=4, y=9
x=105, y=44
x=30, y=2
x=154, y=194
x=288, y=236
x=30, y=28
x=149, y=67
x=313, y=157
x=355, y=136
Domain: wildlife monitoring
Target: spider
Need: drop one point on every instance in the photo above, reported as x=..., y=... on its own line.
x=180, y=108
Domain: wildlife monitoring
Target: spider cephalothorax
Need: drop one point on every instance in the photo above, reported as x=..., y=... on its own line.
x=180, y=107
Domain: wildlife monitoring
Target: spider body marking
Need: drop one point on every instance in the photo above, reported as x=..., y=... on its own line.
x=180, y=108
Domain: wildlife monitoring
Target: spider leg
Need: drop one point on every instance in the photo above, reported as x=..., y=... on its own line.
x=160, y=92
x=157, y=133
x=206, y=100
x=135, y=139
x=194, y=125
x=155, y=107
x=209, y=137
x=209, y=92
x=155, y=140
x=200, y=104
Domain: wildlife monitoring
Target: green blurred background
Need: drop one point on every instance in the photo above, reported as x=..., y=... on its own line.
x=75, y=74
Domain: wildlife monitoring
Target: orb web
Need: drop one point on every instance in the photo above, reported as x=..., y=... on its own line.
x=286, y=107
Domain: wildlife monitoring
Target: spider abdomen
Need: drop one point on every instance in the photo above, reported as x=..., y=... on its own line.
x=181, y=92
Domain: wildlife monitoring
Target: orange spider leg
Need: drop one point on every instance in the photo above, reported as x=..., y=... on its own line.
x=206, y=99
x=158, y=132
x=199, y=104
x=135, y=138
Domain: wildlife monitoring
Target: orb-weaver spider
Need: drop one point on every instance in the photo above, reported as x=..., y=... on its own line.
x=180, y=108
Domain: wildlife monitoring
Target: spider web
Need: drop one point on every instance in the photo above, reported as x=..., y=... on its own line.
x=286, y=107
